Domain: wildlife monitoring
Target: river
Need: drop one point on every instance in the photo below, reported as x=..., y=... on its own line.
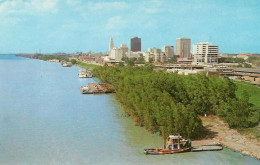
x=44, y=119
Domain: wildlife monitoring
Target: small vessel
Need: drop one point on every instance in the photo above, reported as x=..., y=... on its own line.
x=85, y=74
x=66, y=64
x=85, y=90
x=174, y=144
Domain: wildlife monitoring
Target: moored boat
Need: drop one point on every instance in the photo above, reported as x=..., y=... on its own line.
x=85, y=90
x=85, y=74
x=174, y=144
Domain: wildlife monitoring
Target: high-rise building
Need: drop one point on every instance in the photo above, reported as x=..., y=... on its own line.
x=205, y=53
x=183, y=47
x=136, y=44
x=111, y=44
x=169, y=51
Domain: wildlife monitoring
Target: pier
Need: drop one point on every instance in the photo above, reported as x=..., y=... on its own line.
x=210, y=147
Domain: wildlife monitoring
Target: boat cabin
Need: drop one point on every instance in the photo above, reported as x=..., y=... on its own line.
x=176, y=142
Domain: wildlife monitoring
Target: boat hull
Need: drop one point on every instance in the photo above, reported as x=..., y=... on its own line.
x=165, y=151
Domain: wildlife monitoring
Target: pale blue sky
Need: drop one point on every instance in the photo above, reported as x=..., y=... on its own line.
x=86, y=25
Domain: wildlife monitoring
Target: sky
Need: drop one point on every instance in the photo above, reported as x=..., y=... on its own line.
x=49, y=26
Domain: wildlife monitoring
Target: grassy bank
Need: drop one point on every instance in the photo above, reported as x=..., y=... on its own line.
x=87, y=66
x=254, y=92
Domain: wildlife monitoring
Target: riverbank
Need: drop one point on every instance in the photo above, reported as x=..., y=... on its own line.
x=219, y=132
x=87, y=66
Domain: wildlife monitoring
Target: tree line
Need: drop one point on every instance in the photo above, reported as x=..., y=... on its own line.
x=168, y=103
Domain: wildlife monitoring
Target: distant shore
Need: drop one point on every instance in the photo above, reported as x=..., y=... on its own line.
x=219, y=132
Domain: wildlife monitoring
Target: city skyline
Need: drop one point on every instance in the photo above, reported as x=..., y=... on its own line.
x=76, y=26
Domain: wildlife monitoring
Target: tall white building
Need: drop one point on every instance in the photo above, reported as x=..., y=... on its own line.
x=111, y=44
x=205, y=53
x=183, y=47
x=147, y=56
x=116, y=54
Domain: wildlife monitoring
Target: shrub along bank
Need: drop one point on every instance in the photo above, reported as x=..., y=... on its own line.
x=169, y=103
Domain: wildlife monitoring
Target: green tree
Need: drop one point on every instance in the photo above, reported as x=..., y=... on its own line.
x=73, y=61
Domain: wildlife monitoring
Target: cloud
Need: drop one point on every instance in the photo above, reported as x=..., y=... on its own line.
x=31, y=7
x=73, y=2
x=116, y=23
x=16, y=11
x=101, y=6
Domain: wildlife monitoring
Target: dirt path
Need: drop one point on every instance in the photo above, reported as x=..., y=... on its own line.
x=219, y=132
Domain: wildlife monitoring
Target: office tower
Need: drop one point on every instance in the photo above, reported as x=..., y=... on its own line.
x=183, y=47
x=135, y=44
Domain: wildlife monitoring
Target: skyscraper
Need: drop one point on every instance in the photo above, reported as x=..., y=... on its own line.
x=183, y=47
x=135, y=44
x=111, y=44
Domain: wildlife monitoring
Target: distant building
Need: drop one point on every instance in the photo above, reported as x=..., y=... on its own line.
x=124, y=49
x=183, y=47
x=157, y=55
x=111, y=44
x=136, y=44
x=205, y=53
x=116, y=54
x=147, y=56
x=131, y=54
x=169, y=51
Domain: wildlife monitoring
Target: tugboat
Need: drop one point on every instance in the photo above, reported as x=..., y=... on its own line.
x=174, y=144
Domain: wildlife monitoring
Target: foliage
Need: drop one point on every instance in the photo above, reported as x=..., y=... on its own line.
x=231, y=60
x=140, y=60
x=246, y=65
x=132, y=61
x=254, y=60
x=170, y=103
x=173, y=59
x=50, y=57
x=73, y=61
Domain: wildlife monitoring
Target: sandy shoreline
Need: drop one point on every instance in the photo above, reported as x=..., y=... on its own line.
x=229, y=138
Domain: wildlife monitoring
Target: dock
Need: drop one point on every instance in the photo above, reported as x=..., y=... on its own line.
x=97, y=88
x=209, y=147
